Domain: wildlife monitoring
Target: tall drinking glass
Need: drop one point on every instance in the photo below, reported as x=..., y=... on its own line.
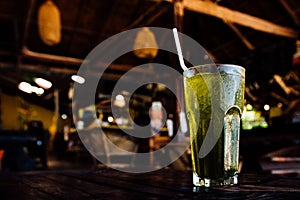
x=214, y=96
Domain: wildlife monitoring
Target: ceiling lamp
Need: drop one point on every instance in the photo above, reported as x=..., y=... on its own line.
x=145, y=45
x=43, y=83
x=37, y=90
x=25, y=87
x=78, y=79
x=120, y=101
x=49, y=23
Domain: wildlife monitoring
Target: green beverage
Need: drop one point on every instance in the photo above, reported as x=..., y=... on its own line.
x=214, y=98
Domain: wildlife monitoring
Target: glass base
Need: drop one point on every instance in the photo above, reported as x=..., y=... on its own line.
x=207, y=182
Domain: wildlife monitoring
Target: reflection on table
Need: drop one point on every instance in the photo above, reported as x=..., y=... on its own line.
x=160, y=184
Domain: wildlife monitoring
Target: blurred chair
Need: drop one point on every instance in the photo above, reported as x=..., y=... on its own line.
x=38, y=150
x=155, y=143
x=282, y=161
x=1, y=157
x=116, y=149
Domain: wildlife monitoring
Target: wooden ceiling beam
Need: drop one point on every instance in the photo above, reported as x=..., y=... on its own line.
x=77, y=62
x=152, y=13
x=51, y=58
x=291, y=11
x=233, y=16
x=245, y=41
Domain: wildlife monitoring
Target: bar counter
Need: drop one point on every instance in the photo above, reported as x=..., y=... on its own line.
x=161, y=184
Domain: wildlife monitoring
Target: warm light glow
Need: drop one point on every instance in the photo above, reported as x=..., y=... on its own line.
x=120, y=97
x=266, y=107
x=37, y=90
x=249, y=107
x=64, y=116
x=43, y=83
x=71, y=92
x=120, y=101
x=78, y=79
x=110, y=119
x=25, y=87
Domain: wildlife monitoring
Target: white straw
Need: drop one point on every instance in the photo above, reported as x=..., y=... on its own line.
x=175, y=33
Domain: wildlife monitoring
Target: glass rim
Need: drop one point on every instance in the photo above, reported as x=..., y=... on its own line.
x=217, y=65
x=231, y=66
x=238, y=69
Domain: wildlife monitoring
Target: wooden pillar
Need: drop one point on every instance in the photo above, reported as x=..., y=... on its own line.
x=56, y=108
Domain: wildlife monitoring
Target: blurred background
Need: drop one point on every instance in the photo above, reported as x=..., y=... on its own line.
x=44, y=42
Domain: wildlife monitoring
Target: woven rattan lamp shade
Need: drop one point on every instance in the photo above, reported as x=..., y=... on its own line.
x=49, y=23
x=145, y=45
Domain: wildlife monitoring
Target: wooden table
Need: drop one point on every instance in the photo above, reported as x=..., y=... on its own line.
x=161, y=184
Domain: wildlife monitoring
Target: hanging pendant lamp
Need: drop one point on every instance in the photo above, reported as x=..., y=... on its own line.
x=49, y=23
x=145, y=45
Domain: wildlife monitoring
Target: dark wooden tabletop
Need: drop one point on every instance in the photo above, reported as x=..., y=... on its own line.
x=161, y=184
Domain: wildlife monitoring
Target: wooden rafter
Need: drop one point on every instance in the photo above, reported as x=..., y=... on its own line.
x=245, y=41
x=236, y=17
x=291, y=12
